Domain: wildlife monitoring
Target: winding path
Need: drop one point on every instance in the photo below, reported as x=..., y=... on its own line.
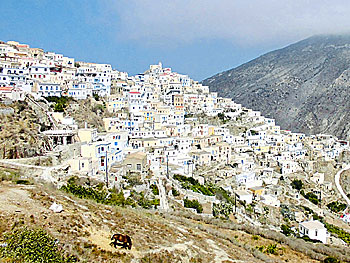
x=337, y=183
x=164, y=205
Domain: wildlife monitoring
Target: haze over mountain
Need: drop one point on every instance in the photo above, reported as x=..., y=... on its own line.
x=304, y=86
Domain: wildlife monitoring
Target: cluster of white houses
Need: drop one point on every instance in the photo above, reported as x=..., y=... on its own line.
x=152, y=129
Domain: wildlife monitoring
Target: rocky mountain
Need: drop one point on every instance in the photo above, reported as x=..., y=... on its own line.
x=304, y=86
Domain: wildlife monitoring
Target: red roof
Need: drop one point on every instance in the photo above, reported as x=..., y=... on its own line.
x=134, y=92
x=6, y=88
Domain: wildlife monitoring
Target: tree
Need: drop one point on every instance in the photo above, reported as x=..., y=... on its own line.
x=297, y=184
x=58, y=107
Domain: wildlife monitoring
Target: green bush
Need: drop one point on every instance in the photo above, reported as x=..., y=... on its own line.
x=182, y=178
x=270, y=249
x=59, y=107
x=221, y=116
x=32, y=245
x=102, y=196
x=97, y=194
x=22, y=181
x=312, y=198
x=297, y=184
x=255, y=237
x=222, y=209
x=286, y=230
x=193, y=204
x=331, y=260
x=145, y=203
x=342, y=234
x=175, y=192
x=8, y=175
x=155, y=189
x=194, y=185
x=222, y=194
x=60, y=102
x=336, y=206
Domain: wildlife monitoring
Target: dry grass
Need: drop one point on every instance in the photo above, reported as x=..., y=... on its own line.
x=84, y=229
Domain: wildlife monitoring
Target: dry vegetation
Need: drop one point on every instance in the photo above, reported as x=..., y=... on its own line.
x=84, y=229
x=90, y=111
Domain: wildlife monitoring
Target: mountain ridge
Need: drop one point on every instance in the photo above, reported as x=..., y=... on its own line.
x=304, y=86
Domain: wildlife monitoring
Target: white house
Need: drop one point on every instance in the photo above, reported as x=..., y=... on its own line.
x=50, y=89
x=244, y=196
x=11, y=93
x=314, y=230
x=317, y=178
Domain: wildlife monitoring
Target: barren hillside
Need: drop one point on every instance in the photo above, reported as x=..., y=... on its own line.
x=304, y=86
x=84, y=229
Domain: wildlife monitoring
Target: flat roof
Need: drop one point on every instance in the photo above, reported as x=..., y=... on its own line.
x=313, y=224
x=242, y=192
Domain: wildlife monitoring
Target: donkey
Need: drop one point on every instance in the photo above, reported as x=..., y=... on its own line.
x=121, y=240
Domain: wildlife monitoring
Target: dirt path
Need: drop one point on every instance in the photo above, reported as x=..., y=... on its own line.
x=17, y=200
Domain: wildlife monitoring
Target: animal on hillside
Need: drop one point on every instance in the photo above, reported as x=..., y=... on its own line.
x=121, y=240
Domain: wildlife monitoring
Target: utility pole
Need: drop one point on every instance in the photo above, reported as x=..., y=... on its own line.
x=106, y=162
x=167, y=162
x=235, y=204
x=167, y=165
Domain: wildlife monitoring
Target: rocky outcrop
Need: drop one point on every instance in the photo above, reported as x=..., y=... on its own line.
x=304, y=86
x=20, y=130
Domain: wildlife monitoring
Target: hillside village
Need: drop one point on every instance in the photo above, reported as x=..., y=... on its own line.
x=168, y=143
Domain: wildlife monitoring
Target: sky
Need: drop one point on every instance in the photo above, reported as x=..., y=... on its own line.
x=195, y=37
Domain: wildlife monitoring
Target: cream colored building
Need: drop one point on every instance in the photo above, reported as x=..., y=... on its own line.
x=136, y=162
x=87, y=135
x=84, y=165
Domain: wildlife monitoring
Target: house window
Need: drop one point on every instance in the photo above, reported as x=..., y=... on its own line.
x=138, y=167
x=82, y=165
x=316, y=232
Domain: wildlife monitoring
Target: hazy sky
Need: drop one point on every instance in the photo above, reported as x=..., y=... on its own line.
x=195, y=37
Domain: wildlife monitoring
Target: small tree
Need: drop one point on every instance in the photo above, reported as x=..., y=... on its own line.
x=297, y=184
